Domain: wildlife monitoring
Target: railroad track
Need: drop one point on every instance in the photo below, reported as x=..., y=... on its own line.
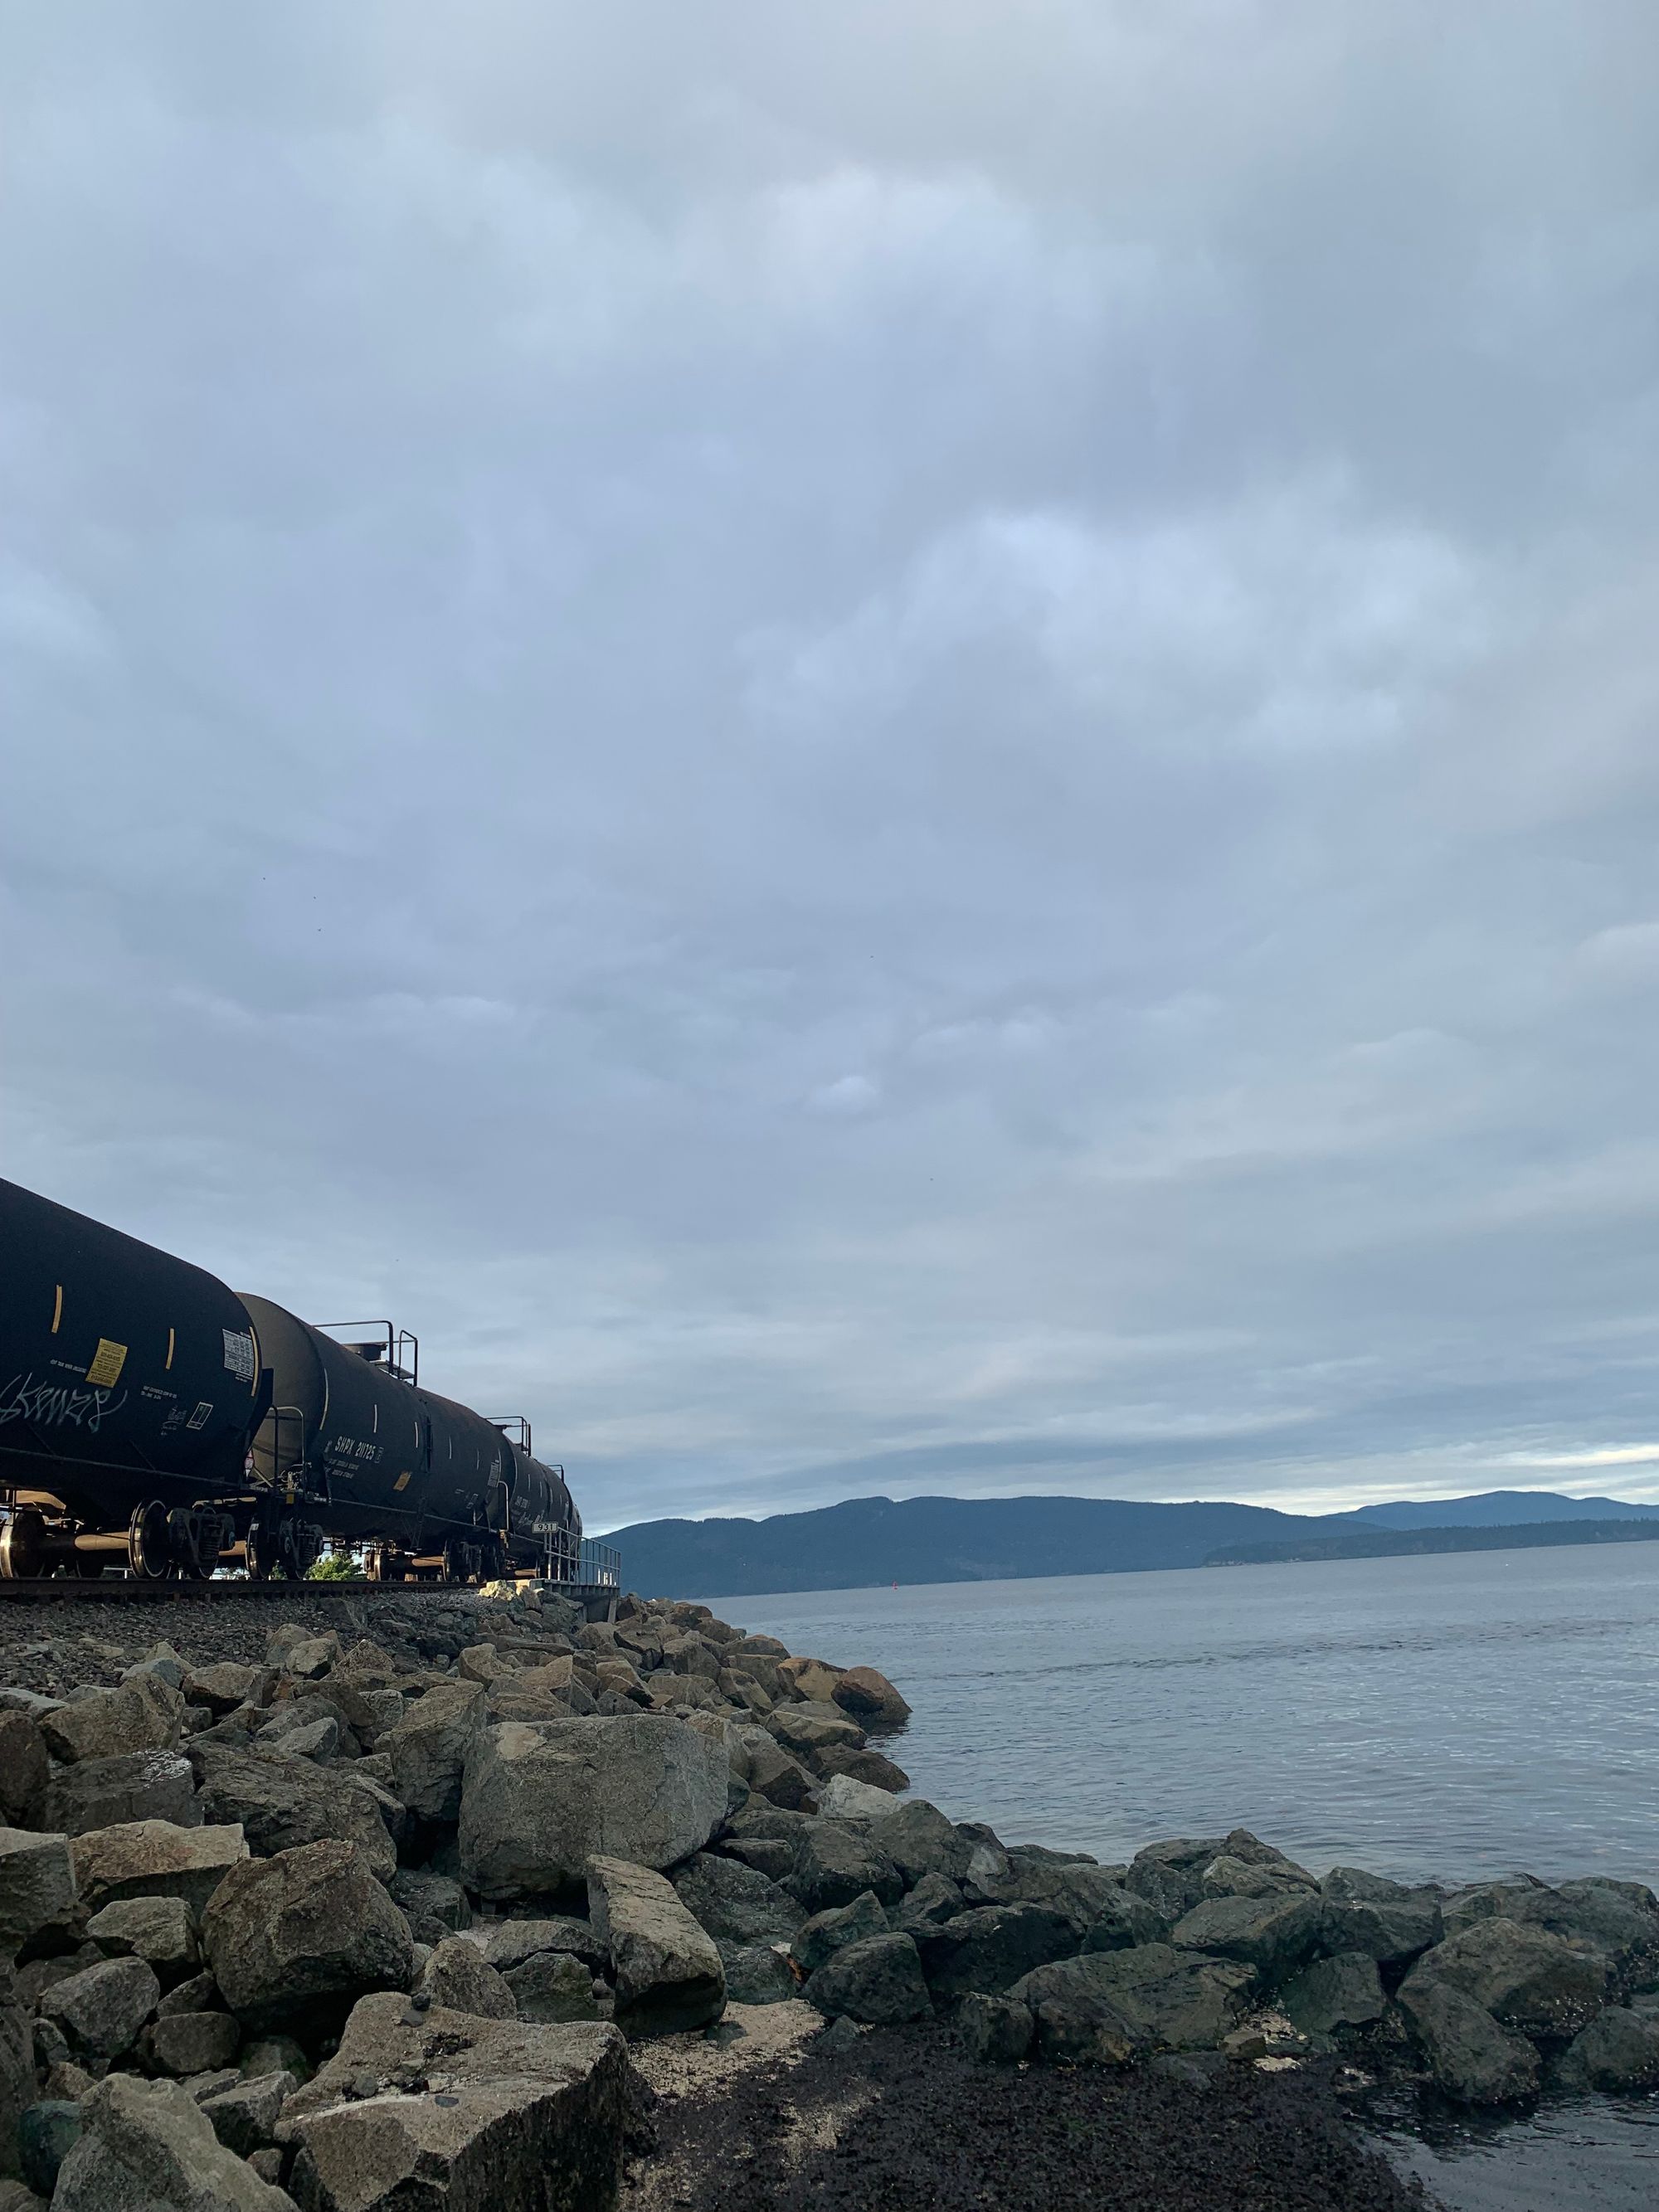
x=55, y=1589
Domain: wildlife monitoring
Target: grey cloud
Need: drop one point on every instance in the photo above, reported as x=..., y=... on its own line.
x=912, y=749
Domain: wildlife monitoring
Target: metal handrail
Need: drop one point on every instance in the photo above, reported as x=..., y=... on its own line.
x=599, y=1565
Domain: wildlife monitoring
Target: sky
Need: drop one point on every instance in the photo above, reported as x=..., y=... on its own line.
x=896, y=749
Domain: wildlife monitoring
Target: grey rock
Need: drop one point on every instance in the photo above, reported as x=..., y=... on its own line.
x=1532, y=1983
x=1124, y=1920
x=1332, y=1994
x=284, y=1802
x=435, y=1904
x=482, y=2113
x=734, y=1903
x=195, y=2042
x=553, y=1986
x=1169, y=1875
x=155, y=1858
x=199, y=1994
x=244, y=2115
x=158, y=1930
x=834, y=1863
x=668, y=1972
x=25, y=1771
x=274, y=2054
x=1354, y=1885
x=540, y=1799
x=998, y=2029
x=866, y=1766
x=17, y=2075
x=1110, y=2007
x=103, y=1793
x=37, y=1883
x=820, y=1937
x=768, y=1855
x=934, y=1900
x=1228, y=1876
x=921, y=1841
x=1276, y=1935
x=509, y=1943
x=776, y=1774
x=843, y=1798
x=879, y=1980
x=460, y=1977
x=429, y=1745
x=756, y=1974
x=101, y=2008
x=298, y=1938
x=318, y=1739
x=1391, y=1931
x=147, y=2147
x=144, y=1714
x=1618, y=2053
x=222, y=1687
x=989, y=1949
x=1469, y=2056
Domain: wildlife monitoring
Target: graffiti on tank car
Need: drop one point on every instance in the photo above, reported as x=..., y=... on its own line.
x=57, y=1404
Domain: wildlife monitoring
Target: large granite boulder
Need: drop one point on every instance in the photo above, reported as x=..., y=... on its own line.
x=222, y=1687
x=509, y=1943
x=837, y=1861
x=244, y=2114
x=37, y=1883
x=831, y=1930
x=879, y=1980
x=844, y=1798
x=466, y=2115
x=1469, y=2056
x=1169, y=1875
x=160, y=1930
x=144, y=1713
x=668, y=1972
x=1532, y=1983
x=1335, y=1994
x=542, y=1799
x=101, y=2008
x=1123, y=1920
x=459, y=1976
x=1228, y=1876
x=555, y=1985
x=734, y=1903
x=282, y=1802
x=294, y=1941
x=1618, y=2053
x=1276, y=1934
x=921, y=1841
x=1110, y=2007
x=429, y=1746
x=1392, y=1931
x=934, y=1900
x=105, y=1793
x=25, y=1770
x=989, y=1949
x=155, y=1858
x=870, y=1698
x=147, y=2147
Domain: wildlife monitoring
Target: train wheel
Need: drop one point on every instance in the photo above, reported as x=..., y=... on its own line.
x=149, y=1554
x=87, y=1567
x=23, y=1546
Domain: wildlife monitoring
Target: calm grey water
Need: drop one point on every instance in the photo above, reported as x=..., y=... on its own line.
x=1438, y=1717
x=1449, y=1717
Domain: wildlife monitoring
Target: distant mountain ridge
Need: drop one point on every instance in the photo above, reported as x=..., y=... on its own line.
x=865, y=1541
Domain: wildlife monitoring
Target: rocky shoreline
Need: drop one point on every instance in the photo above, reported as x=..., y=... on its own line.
x=448, y=1901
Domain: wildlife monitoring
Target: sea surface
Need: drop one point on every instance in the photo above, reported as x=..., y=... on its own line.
x=1441, y=1718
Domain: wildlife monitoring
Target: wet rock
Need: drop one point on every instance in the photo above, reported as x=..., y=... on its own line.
x=1086, y=1894
x=1531, y=1982
x=1169, y=1875
x=879, y=1981
x=158, y=1930
x=734, y=1903
x=541, y=1800
x=297, y=1937
x=106, y=1793
x=101, y=2009
x=24, y=1769
x=668, y=1972
x=47, y=2133
x=474, y=2112
x=244, y=2115
x=991, y=1949
x=805, y=1735
x=1621, y=1919
x=1276, y=1935
x=998, y=2029
x=819, y=1939
x=37, y=1883
x=1109, y=2006
x=284, y=1802
x=1618, y=2053
x=1228, y=1876
x=870, y=1698
x=143, y=1714
x=834, y=1864
x=1469, y=2056
x=756, y=1974
x=1392, y=1931
x=429, y=1748
x=147, y=2147
x=873, y=1767
x=195, y=2042
x=1124, y=1920
x=1334, y=1994
x=1354, y=1885
x=460, y=1977
x=553, y=1986
x=155, y=1858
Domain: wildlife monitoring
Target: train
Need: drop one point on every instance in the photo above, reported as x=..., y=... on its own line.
x=155, y=1422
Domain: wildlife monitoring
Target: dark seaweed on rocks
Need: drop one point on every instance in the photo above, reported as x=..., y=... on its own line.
x=918, y=2126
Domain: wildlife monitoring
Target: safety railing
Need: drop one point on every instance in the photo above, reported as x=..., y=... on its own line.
x=598, y=1564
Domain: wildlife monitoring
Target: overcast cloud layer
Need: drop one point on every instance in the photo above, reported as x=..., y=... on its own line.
x=903, y=746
